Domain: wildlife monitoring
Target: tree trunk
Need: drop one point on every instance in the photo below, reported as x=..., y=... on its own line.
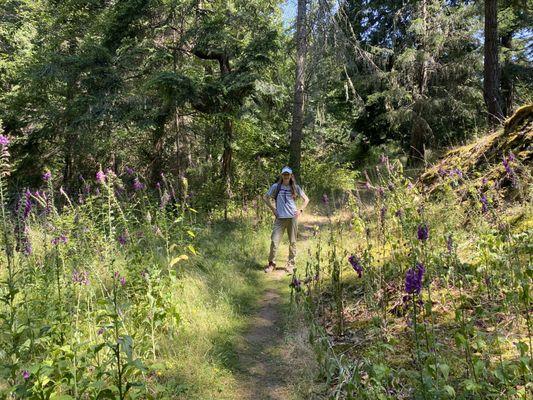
x=227, y=156
x=507, y=84
x=299, y=87
x=491, y=76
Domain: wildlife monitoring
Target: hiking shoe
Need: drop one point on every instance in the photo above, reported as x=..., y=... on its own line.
x=271, y=265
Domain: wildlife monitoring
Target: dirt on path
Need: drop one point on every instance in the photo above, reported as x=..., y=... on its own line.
x=264, y=362
x=276, y=361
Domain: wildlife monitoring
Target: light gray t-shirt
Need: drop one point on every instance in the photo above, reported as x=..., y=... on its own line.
x=285, y=205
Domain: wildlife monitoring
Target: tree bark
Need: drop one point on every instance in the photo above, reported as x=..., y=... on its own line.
x=491, y=71
x=507, y=83
x=299, y=90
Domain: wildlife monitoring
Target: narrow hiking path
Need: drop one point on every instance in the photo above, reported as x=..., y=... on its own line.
x=276, y=361
x=265, y=364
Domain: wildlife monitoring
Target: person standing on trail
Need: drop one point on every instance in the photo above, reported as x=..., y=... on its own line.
x=284, y=193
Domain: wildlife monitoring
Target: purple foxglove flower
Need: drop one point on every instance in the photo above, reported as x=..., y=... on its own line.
x=484, y=204
x=511, y=156
x=123, y=281
x=25, y=375
x=81, y=278
x=158, y=185
x=296, y=284
x=46, y=176
x=122, y=239
x=413, y=279
x=382, y=214
x=137, y=185
x=27, y=204
x=356, y=265
x=100, y=176
x=4, y=141
x=506, y=165
x=423, y=232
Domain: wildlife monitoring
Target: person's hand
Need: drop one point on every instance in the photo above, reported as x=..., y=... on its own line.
x=298, y=213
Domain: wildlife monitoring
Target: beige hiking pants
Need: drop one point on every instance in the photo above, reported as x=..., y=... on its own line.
x=280, y=225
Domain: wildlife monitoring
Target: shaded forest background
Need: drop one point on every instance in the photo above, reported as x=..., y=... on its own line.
x=200, y=93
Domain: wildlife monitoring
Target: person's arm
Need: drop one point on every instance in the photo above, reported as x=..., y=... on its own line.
x=268, y=202
x=306, y=201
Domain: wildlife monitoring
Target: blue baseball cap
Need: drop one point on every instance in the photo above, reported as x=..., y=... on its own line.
x=286, y=170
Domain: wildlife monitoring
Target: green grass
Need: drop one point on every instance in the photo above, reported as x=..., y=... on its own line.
x=215, y=294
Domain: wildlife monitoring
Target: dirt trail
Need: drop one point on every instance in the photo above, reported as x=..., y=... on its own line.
x=264, y=361
x=277, y=363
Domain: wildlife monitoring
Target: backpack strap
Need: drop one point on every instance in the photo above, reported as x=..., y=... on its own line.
x=277, y=191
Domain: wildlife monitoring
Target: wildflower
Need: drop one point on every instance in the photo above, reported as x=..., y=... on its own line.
x=441, y=171
x=27, y=204
x=123, y=281
x=325, y=199
x=60, y=239
x=25, y=374
x=80, y=277
x=457, y=172
x=158, y=185
x=368, y=185
x=382, y=214
x=356, y=265
x=130, y=171
x=508, y=169
x=423, y=232
x=413, y=279
x=137, y=185
x=381, y=191
x=512, y=156
x=296, y=284
x=4, y=141
x=100, y=331
x=46, y=176
x=410, y=185
x=100, y=176
x=399, y=213
x=484, y=204
x=122, y=239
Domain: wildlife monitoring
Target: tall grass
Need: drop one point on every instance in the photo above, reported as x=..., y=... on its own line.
x=117, y=292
